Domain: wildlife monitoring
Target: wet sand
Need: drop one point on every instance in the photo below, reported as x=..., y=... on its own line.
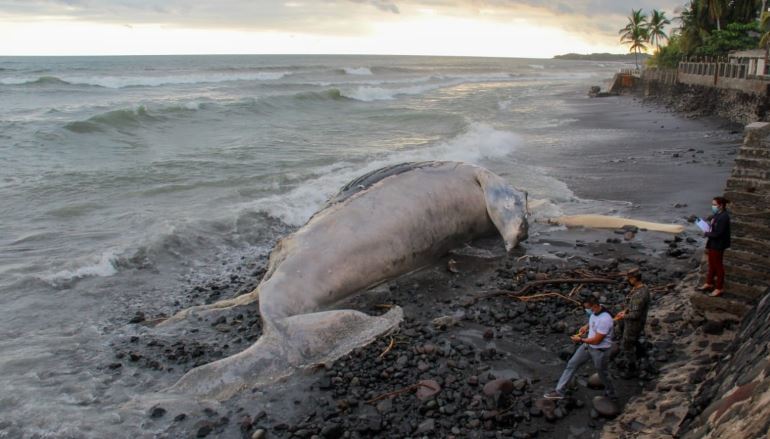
x=668, y=168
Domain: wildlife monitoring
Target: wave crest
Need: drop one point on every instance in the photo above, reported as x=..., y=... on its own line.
x=478, y=142
x=365, y=71
x=41, y=81
x=117, y=119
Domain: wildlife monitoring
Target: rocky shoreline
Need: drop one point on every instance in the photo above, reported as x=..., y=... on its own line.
x=476, y=368
x=472, y=359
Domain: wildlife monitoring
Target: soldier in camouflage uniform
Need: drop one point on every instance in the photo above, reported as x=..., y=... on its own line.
x=632, y=319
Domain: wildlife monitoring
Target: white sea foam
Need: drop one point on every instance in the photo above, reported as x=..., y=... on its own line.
x=479, y=142
x=357, y=71
x=112, y=81
x=536, y=66
x=103, y=266
x=369, y=94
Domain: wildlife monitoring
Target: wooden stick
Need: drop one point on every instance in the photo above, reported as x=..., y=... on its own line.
x=399, y=392
x=387, y=349
x=593, y=280
x=538, y=296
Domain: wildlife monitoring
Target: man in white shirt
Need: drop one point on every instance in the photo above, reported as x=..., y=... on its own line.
x=596, y=347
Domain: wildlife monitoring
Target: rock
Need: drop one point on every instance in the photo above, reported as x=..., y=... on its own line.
x=157, y=412
x=594, y=382
x=713, y=327
x=473, y=380
x=370, y=420
x=325, y=383
x=605, y=406
x=385, y=406
x=559, y=327
x=427, y=389
x=489, y=334
x=426, y=427
x=500, y=385
x=139, y=317
x=259, y=434
x=519, y=385
x=204, y=428
x=546, y=406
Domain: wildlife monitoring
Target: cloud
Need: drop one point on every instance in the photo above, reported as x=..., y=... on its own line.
x=382, y=5
x=333, y=17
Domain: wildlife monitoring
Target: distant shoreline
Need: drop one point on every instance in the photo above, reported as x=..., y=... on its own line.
x=629, y=57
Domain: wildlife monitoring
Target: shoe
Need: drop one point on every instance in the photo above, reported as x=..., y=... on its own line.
x=705, y=287
x=716, y=293
x=553, y=395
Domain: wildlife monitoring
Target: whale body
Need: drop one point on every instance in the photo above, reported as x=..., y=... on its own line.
x=382, y=225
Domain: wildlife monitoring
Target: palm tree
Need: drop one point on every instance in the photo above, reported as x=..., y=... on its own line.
x=764, y=42
x=715, y=9
x=635, y=33
x=694, y=26
x=655, y=27
x=744, y=11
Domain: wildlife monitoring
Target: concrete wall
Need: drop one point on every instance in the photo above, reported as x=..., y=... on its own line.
x=722, y=75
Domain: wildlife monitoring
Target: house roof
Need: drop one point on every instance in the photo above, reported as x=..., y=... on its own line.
x=754, y=53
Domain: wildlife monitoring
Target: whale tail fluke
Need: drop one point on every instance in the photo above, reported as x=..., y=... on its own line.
x=287, y=345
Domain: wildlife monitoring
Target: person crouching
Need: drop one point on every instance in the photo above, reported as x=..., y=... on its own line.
x=595, y=346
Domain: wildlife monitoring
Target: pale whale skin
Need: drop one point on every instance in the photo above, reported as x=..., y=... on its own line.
x=383, y=225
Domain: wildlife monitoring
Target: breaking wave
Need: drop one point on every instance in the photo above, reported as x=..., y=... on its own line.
x=146, y=81
x=357, y=71
x=477, y=143
x=118, y=119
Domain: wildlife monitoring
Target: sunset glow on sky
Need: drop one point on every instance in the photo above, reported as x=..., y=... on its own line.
x=531, y=29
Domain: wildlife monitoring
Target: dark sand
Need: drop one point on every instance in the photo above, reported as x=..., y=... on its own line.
x=669, y=167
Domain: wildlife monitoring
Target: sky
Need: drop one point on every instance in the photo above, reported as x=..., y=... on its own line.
x=502, y=28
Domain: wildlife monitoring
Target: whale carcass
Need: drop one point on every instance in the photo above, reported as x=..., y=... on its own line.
x=382, y=225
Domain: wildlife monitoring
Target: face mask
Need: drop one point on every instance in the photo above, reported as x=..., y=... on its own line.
x=714, y=209
x=589, y=312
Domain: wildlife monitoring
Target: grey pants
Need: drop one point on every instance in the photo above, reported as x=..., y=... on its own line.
x=601, y=359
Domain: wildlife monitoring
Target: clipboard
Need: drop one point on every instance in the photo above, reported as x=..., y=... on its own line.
x=703, y=225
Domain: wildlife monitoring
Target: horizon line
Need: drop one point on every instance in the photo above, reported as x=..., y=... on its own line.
x=303, y=54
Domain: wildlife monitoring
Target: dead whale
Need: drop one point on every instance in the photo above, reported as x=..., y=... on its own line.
x=380, y=226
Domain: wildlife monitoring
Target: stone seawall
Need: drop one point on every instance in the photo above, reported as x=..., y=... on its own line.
x=747, y=262
x=734, y=399
x=720, y=388
x=732, y=105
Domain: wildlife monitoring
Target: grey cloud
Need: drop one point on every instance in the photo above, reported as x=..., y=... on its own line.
x=383, y=5
x=329, y=17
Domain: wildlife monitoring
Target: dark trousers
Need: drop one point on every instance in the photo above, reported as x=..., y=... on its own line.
x=716, y=268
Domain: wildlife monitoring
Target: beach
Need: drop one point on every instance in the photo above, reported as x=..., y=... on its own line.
x=612, y=155
x=468, y=347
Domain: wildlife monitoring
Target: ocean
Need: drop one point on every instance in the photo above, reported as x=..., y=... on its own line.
x=126, y=181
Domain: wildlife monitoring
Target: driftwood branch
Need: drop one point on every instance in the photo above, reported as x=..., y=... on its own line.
x=536, y=283
x=390, y=346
